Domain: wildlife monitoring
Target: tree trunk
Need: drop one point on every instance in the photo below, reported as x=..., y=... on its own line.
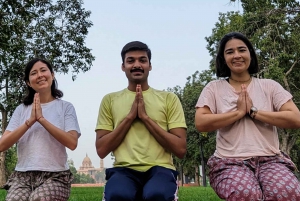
x=197, y=175
x=3, y=154
x=2, y=168
x=288, y=140
x=284, y=141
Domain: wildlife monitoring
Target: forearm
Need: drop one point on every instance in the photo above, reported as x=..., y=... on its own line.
x=110, y=141
x=67, y=139
x=8, y=139
x=281, y=119
x=169, y=141
x=212, y=122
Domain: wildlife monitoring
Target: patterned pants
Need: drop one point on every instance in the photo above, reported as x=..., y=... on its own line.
x=39, y=186
x=259, y=178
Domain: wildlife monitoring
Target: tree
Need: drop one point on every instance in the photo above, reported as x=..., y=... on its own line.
x=274, y=28
x=55, y=31
x=189, y=96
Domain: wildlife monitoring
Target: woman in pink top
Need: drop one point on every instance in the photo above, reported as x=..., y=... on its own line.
x=245, y=111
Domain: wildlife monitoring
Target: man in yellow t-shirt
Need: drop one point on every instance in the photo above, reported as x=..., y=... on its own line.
x=143, y=127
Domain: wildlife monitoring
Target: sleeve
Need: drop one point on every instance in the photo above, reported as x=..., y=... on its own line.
x=207, y=98
x=71, y=121
x=14, y=121
x=279, y=95
x=175, y=114
x=105, y=119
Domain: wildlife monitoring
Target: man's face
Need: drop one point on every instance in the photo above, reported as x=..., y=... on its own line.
x=136, y=66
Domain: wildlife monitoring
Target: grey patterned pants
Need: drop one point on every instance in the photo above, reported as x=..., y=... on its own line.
x=39, y=186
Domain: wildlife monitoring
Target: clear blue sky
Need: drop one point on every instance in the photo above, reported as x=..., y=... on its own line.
x=173, y=29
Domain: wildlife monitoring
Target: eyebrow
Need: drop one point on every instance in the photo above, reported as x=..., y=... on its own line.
x=240, y=47
x=40, y=68
x=142, y=57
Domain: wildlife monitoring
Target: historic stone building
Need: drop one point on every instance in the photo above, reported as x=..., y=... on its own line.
x=88, y=168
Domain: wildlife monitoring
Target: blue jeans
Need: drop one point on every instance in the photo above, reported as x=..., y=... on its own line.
x=156, y=184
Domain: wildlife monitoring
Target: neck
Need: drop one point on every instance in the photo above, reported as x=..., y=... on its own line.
x=240, y=80
x=46, y=98
x=132, y=86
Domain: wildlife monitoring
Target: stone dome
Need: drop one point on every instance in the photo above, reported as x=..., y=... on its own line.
x=87, y=163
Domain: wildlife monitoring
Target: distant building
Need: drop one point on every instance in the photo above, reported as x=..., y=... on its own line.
x=87, y=167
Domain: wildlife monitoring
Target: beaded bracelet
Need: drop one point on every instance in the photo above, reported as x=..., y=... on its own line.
x=39, y=118
x=27, y=124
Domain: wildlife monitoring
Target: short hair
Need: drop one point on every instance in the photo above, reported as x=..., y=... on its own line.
x=56, y=93
x=222, y=70
x=133, y=46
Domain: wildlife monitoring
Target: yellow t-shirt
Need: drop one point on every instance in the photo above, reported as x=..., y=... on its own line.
x=139, y=149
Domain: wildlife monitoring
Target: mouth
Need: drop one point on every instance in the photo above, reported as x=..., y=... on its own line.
x=41, y=81
x=238, y=62
x=137, y=71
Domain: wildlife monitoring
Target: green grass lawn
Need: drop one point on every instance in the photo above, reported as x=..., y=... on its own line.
x=95, y=194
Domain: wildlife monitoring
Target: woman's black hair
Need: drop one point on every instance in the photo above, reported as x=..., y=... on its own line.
x=221, y=66
x=56, y=93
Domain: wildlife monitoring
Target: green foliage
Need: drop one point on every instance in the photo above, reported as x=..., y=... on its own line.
x=273, y=27
x=189, y=96
x=11, y=160
x=54, y=30
x=80, y=178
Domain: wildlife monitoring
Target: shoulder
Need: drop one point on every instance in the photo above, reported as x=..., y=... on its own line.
x=63, y=102
x=215, y=84
x=163, y=94
x=266, y=82
x=113, y=95
x=63, y=105
x=21, y=107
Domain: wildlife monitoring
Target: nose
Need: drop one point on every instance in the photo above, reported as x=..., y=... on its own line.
x=236, y=54
x=137, y=64
x=39, y=73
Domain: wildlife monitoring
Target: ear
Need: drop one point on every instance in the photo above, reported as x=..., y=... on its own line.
x=27, y=82
x=52, y=76
x=150, y=67
x=123, y=67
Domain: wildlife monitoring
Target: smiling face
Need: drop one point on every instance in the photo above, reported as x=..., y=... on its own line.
x=237, y=56
x=136, y=66
x=40, y=77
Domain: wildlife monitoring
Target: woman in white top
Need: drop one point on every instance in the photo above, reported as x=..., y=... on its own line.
x=245, y=111
x=42, y=127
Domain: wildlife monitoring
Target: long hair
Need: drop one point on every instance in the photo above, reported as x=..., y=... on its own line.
x=56, y=93
x=221, y=66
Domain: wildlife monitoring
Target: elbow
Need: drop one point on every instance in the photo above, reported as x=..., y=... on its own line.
x=181, y=153
x=73, y=146
x=2, y=147
x=203, y=128
x=101, y=153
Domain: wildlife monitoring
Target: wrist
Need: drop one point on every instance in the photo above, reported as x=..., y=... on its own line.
x=253, y=111
x=28, y=123
x=40, y=118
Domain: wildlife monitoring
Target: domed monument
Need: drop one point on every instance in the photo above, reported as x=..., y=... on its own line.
x=88, y=168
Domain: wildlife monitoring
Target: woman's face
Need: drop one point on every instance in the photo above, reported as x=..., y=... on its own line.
x=237, y=56
x=40, y=77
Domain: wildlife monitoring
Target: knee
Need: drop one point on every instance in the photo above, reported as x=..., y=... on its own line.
x=119, y=194
x=246, y=195
x=158, y=196
x=283, y=194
